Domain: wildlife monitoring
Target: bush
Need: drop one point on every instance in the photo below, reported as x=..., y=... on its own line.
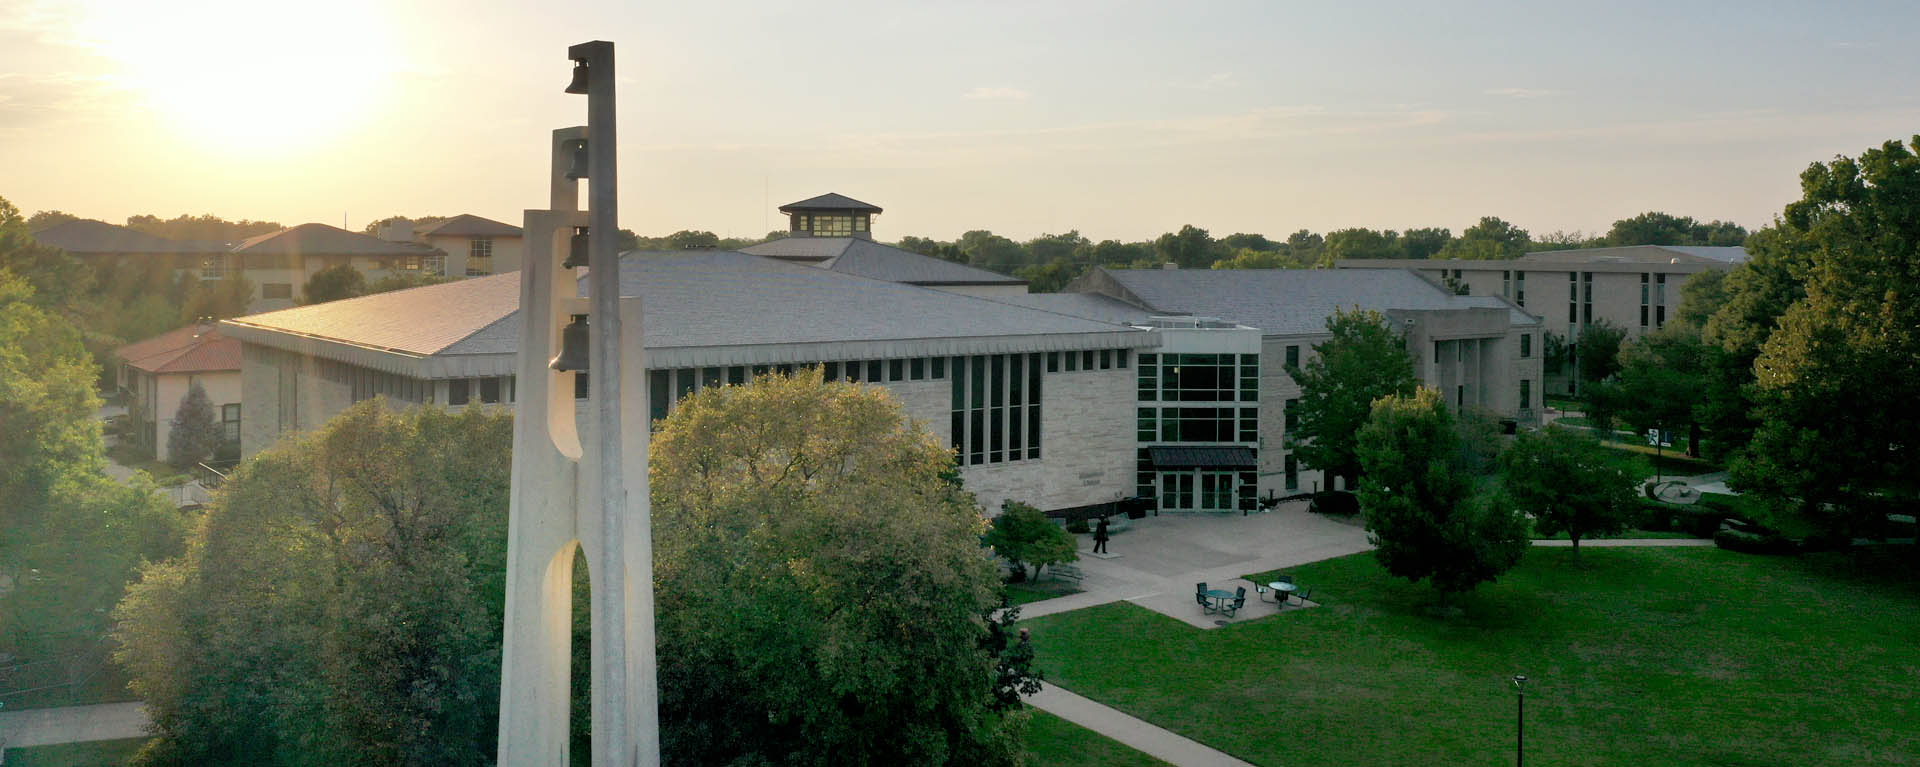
x=1753, y=540
x=1335, y=502
x=1078, y=527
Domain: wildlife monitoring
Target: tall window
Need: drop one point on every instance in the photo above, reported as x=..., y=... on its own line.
x=1659, y=301
x=1293, y=357
x=1506, y=283
x=1586, y=298
x=1520, y=288
x=1526, y=345
x=1645, y=293
x=1573, y=300
x=230, y=422
x=213, y=267
x=1293, y=473
x=479, y=256
x=996, y=408
x=1526, y=394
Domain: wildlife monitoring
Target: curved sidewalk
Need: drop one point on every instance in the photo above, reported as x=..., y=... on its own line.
x=1134, y=733
x=72, y=724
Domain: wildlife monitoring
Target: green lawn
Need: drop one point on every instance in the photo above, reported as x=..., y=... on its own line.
x=1034, y=591
x=1639, y=657
x=99, y=753
x=1056, y=742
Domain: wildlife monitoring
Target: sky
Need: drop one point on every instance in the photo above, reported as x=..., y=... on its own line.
x=1120, y=120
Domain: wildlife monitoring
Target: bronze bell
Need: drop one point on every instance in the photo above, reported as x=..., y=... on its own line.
x=579, y=168
x=579, y=84
x=573, y=346
x=576, y=249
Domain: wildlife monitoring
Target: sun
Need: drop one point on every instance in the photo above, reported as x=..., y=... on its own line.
x=250, y=75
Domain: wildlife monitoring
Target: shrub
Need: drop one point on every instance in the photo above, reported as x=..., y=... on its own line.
x=1078, y=527
x=1753, y=540
x=1335, y=502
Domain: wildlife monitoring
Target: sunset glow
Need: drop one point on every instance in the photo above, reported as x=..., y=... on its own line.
x=248, y=76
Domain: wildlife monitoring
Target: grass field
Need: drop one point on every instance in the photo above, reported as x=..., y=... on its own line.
x=1034, y=591
x=1638, y=657
x=1056, y=742
x=99, y=753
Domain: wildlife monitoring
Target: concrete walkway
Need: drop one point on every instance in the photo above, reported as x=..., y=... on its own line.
x=1136, y=734
x=72, y=724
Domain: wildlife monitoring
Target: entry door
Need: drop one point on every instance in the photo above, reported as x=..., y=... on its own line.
x=1176, y=490
x=1216, y=491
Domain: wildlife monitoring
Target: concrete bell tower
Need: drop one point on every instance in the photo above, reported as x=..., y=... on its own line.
x=573, y=495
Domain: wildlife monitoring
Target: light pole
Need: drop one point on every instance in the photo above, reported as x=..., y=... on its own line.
x=1519, y=720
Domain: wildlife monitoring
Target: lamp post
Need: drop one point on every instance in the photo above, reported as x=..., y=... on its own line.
x=1519, y=720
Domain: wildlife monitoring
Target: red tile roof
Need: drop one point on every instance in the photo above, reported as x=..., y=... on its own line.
x=192, y=349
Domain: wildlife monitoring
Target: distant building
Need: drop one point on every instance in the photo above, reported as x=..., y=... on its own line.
x=157, y=372
x=1636, y=288
x=1037, y=405
x=279, y=264
x=835, y=232
x=108, y=247
x=1479, y=352
x=471, y=246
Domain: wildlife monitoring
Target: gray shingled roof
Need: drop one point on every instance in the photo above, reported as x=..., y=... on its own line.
x=830, y=201
x=855, y=255
x=1292, y=301
x=323, y=240
x=469, y=225
x=1091, y=306
x=1729, y=254
x=89, y=236
x=702, y=307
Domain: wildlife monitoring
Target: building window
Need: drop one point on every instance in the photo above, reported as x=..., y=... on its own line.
x=1520, y=288
x=458, y=392
x=1659, y=301
x=490, y=390
x=1249, y=378
x=230, y=422
x=996, y=408
x=917, y=368
x=479, y=256
x=1148, y=377
x=1573, y=300
x=831, y=226
x=659, y=394
x=1293, y=473
x=1526, y=345
x=1586, y=298
x=1292, y=415
x=1293, y=359
x=1460, y=395
x=939, y=368
x=1646, y=290
x=1526, y=394
x=276, y=290
x=1053, y=362
x=1198, y=377
x=213, y=267
x=435, y=264
x=1506, y=283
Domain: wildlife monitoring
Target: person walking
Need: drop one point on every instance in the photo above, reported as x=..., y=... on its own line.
x=1100, y=537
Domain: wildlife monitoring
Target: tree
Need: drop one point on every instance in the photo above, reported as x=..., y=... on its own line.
x=204, y=228
x=219, y=299
x=339, y=604
x=1424, y=243
x=334, y=283
x=1242, y=240
x=854, y=578
x=1048, y=278
x=1117, y=253
x=687, y=239
x=1491, y=238
x=57, y=279
x=405, y=281
x=1553, y=352
x=1421, y=513
x=418, y=222
x=47, y=411
x=1599, y=350
x=1663, y=378
x=1360, y=243
x=49, y=218
x=1834, y=382
x=1050, y=248
x=1568, y=482
x=1023, y=536
x=1190, y=248
x=194, y=435
x=991, y=251
x=1656, y=228
x=1366, y=359
x=1261, y=259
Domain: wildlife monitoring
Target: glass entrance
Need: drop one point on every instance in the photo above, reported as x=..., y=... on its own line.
x=1217, y=490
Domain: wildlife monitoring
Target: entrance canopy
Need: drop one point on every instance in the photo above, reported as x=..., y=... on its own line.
x=1228, y=457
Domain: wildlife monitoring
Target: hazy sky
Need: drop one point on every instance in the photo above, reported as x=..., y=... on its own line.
x=1122, y=120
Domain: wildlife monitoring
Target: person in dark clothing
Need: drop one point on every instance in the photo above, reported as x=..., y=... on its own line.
x=1100, y=537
